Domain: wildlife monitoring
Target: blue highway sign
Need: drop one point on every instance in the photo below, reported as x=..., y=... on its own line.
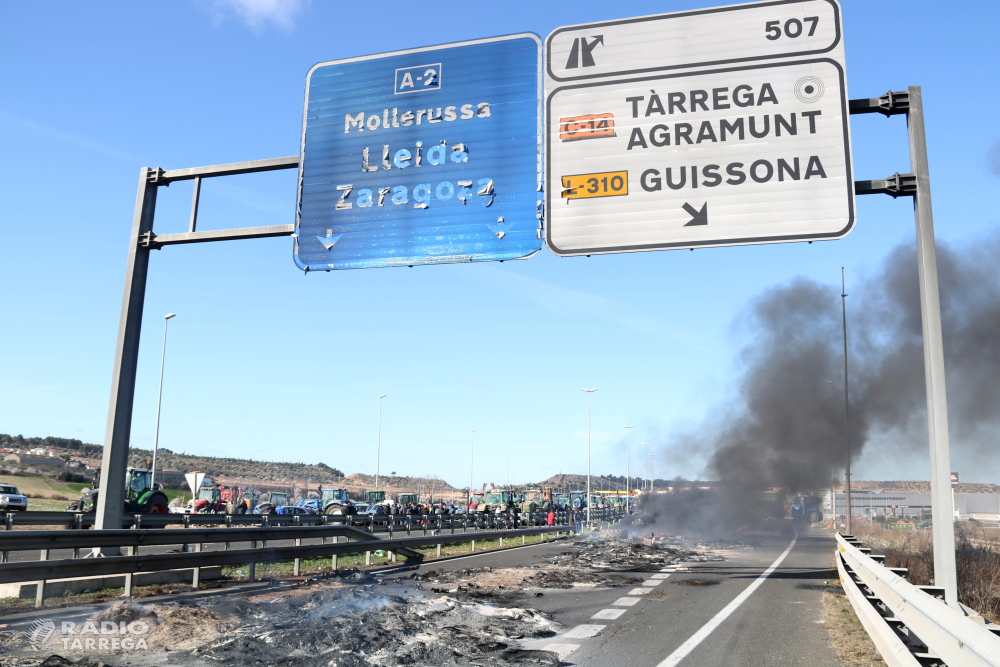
x=424, y=156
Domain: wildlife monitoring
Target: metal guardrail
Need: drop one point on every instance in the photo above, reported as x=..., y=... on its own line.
x=254, y=529
x=86, y=519
x=911, y=625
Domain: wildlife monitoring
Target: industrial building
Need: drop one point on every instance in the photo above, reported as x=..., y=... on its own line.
x=877, y=502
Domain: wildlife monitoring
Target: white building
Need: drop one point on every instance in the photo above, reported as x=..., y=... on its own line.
x=875, y=502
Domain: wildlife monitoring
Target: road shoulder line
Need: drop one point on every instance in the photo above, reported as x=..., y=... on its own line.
x=684, y=649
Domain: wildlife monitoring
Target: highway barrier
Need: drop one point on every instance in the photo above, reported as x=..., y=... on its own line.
x=912, y=625
x=399, y=534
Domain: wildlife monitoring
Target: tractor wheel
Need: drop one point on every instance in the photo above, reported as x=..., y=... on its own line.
x=813, y=517
x=157, y=504
x=334, y=510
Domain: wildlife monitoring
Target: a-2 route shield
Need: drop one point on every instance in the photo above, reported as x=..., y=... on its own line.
x=424, y=156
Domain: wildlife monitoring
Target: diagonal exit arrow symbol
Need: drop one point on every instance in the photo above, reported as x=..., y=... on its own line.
x=697, y=217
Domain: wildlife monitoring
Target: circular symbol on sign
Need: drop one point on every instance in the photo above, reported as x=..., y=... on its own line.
x=809, y=89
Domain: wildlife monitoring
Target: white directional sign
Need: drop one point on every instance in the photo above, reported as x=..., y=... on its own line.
x=715, y=127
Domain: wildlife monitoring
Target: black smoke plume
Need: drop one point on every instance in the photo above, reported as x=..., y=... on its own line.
x=787, y=427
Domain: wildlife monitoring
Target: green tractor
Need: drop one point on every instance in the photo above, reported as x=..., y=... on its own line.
x=408, y=499
x=375, y=497
x=140, y=496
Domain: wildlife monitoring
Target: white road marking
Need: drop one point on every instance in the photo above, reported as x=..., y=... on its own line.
x=608, y=614
x=641, y=591
x=684, y=649
x=583, y=631
x=660, y=576
x=653, y=582
x=625, y=602
x=562, y=649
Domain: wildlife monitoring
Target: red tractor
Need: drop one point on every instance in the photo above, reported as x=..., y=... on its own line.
x=210, y=501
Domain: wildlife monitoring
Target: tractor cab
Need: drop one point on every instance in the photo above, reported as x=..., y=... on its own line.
x=578, y=499
x=475, y=500
x=210, y=493
x=336, y=502
x=494, y=501
x=278, y=498
x=408, y=498
x=140, y=496
x=375, y=497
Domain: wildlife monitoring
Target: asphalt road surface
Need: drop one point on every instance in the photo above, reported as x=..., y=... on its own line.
x=734, y=617
x=759, y=607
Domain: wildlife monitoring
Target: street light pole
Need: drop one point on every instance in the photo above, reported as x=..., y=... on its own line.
x=652, y=473
x=589, y=392
x=472, y=464
x=628, y=470
x=378, y=449
x=847, y=409
x=645, y=466
x=159, y=399
x=508, y=469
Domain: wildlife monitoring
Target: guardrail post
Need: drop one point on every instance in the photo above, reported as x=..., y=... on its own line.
x=392, y=522
x=298, y=543
x=252, y=569
x=229, y=524
x=501, y=543
x=368, y=558
x=78, y=525
x=8, y=525
x=40, y=591
x=129, y=551
x=196, y=579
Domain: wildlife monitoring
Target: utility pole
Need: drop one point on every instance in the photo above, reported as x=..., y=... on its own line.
x=645, y=466
x=847, y=408
x=628, y=460
x=472, y=464
x=589, y=392
x=378, y=449
x=159, y=401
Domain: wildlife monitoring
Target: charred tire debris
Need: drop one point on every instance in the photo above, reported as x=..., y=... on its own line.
x=471, y=616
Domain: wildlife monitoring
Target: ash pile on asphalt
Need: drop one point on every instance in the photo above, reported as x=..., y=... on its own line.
x=593, y=562
x=629, y=555
x=326, y=623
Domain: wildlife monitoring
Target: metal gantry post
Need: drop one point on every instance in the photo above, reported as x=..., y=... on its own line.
x=917, y=184
x=930, y=312
x=111, y=501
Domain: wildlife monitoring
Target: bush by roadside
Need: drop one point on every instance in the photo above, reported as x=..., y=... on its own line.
x=977, y=562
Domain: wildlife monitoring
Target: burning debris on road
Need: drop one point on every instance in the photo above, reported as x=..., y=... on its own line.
x=472, y=616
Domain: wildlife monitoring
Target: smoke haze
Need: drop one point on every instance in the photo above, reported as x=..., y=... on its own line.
x=787, y=427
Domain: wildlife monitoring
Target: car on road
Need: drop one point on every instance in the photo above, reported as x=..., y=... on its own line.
x=12, y=499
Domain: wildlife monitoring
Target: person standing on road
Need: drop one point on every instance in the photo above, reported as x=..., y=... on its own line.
x=577, y=519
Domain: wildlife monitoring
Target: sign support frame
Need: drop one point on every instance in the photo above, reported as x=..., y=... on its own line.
x=918, y=185
x=114, y=459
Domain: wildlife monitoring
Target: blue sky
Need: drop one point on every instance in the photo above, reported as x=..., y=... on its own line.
x=94, y=91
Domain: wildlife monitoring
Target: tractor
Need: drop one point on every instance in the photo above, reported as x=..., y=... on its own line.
x=495, y=501
x=336, y=502
x=578, y=499
x=210, y=500
x=408, y=499
x=140, y=496
x=375, y=497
